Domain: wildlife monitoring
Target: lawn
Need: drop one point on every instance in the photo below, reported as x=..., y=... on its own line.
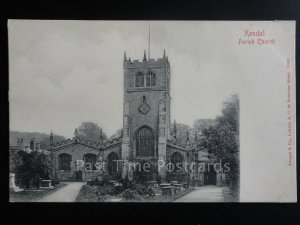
x=32, y=195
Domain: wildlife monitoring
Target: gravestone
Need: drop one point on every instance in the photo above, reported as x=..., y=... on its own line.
x=12, y=185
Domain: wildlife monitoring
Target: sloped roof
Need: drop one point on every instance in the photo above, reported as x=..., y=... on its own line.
x=85, y=142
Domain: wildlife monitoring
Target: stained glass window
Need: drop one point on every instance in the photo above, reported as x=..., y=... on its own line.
x=145, y=143
x=64, y=161
x=113, y=163
x=90, y=159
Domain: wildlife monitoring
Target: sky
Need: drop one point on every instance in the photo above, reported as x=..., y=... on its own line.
x=62, y=73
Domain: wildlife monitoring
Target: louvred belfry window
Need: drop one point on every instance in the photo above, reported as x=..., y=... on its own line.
x=145, y=143
x=139, y=79
x=150, y=79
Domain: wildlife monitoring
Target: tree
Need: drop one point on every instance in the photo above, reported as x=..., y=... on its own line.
x=201, y=124
x=34, y=164
x=90, y=131
x=117, y=134
x=230, y=113
x=14, y=161
x=222, y=139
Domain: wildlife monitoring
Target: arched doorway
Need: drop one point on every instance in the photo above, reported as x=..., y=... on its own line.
x=210, y=177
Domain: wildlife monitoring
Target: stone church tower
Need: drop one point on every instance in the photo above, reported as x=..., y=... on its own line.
x=146, y=111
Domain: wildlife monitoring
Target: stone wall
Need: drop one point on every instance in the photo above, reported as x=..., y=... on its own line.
x=77, y=151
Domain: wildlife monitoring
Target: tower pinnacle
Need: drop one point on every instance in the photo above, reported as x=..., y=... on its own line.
x=175, y=131
x=187, y=138
x=101, y=137
x=51, y=138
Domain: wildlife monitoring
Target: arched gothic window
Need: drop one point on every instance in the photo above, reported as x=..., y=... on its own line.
x=64, y=161
x=153, y=81
x=90, y=160
x=177, y=161
x=145, y=143
x=113, y=163
x=139, y=79
x=150, y=79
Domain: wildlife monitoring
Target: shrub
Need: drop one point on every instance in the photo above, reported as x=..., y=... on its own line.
x=105, y=179
x=95, y=193
x=32, y=165
x=140, y=189
x=118, y=190
x=131, y=195
x=143, y=190
x=150, y=192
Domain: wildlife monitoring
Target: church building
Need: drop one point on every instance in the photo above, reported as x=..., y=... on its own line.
x=146, y=136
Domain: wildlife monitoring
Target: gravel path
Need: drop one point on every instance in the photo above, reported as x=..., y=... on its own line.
x=66, y=194
x=204, y=194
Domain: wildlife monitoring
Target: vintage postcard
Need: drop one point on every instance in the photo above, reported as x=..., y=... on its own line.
x=152, y=111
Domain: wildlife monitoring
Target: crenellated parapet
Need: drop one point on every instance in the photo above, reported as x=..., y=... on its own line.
x=160, y=62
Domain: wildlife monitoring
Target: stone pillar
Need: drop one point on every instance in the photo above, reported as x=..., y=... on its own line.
x=162, y=140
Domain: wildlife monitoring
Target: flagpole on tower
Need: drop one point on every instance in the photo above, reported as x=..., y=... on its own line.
x=149, y=44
